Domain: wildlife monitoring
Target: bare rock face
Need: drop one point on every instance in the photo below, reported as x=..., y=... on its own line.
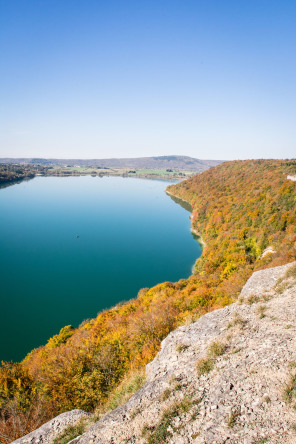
x=227, y=378
x=50, y=430
x=293, y=178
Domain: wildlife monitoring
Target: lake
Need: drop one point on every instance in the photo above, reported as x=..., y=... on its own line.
x=73, y=246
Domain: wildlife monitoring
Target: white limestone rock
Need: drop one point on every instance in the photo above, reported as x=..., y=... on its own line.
x=51, y=429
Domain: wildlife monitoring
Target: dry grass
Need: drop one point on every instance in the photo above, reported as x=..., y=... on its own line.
x=204, y=366
x=71, y=432
x=217, y=349
x=162, y=431
x=261, y=311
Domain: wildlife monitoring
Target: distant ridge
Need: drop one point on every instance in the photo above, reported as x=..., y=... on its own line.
x=158, y=162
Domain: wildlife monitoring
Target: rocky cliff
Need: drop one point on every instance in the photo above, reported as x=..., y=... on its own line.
x=230, y=377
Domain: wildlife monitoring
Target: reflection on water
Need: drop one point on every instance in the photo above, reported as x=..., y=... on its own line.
x=181, y=202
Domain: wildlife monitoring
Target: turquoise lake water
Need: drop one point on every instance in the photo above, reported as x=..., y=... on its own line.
x=131, y=235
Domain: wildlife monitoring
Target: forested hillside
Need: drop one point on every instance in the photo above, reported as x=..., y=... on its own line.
x=11, y=173
x=239, y=208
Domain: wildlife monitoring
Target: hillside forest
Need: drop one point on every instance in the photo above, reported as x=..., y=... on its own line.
x=239, y=209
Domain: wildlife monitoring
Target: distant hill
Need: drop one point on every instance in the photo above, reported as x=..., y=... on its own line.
x=159, y=162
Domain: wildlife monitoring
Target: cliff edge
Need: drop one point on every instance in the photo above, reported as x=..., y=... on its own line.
x=230, y=377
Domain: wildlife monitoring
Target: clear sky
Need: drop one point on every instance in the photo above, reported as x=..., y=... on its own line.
x=212, y=79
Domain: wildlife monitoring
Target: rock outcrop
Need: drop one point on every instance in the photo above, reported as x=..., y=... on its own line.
x=230, y=377
x=50, y=430
x=293, y=178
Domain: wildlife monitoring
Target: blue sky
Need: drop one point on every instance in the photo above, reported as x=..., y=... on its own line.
x=96, y=79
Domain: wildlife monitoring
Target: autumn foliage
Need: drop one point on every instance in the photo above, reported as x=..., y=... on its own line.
x=239, y=208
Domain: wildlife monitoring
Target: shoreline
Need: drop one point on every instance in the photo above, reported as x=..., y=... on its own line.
x=119, y=174
x=11, y=182
x=193, y=230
